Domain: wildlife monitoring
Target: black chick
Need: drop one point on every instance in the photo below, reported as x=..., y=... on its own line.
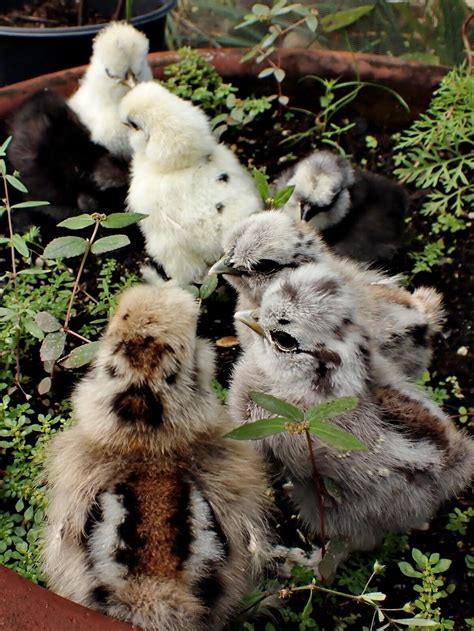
x=59, y=163
x=359, y=214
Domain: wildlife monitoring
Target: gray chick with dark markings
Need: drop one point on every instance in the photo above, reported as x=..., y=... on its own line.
x=153, y=516
x=415, y=457
x=358, y=213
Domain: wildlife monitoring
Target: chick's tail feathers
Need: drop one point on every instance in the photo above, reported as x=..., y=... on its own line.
x=430, y=302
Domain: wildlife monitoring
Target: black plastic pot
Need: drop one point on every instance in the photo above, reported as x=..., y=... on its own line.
x=29, y=52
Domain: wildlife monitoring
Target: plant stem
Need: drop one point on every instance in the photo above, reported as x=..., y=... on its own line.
x=84, y=339
x=465, y=39
x=10, y=228
x=80, y=12
x=318, y=493
x=79, y=274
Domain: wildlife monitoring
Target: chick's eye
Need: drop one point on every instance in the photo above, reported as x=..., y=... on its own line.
x=110, y=75
x=284, y=341
x=133, y=125
x=266, y=266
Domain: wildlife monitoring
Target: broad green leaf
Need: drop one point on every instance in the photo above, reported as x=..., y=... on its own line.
x=15, y=182
x=262, y=184
x=266, y=72
x=279, y=74
x=336, y=548
x=33, y=329
x=81, y=355
x=416, y=622
x=260, y=10
x=283, y=196
x=7, y=314
x=5, y=145
x=65, y=247
x=441, y=566
x=341, y=19
x=33, y=271
x=78, y=222
x=53, y=346
x=312, y=23
x=28, y=516
x=44, y=385
x=20, y=245
x=259, y=429
x=208, y=286
x=121, y=220
x=336, y=407
x=3, y=167
x=107, y=244
x=47, y=322
x=409, y=570
x=32, y=204
x=335, y=437
x=277, y=406
x=419, y=557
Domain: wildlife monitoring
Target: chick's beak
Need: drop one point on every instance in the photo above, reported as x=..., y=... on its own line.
x=130, y=80
x=248, y=318
x=221, y=267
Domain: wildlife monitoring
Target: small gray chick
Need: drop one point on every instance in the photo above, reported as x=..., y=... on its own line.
x=154, y=517
x=270, y=245
x=312, y=345
x=359, y=214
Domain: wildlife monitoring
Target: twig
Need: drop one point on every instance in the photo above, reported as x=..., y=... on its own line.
x=38, y=20
x=84, y=339
x=318, y=491
x=118, y=11
x=465, y=39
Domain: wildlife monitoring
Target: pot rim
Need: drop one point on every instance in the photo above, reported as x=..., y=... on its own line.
x=88, y=29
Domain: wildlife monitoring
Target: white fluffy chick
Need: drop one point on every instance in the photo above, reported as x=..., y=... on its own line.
x=359, y=214
x=270, y=245
x=192, y=188
x=312, y=345
x=118, y=62
x=153, y=516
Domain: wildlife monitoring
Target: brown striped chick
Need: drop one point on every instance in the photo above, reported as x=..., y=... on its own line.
x=154, y=518
x=312, y=345
x=269, y=245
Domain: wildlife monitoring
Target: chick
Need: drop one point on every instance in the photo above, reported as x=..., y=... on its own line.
x=59, y=163
x=191, y=187
x=359, y=214
x=153, y=518
x=118, y=62
x=271, y=244
x=313, y=346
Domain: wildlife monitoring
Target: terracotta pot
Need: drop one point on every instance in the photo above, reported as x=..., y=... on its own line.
x=28, y=607
x=415, y=82
x=29, y=52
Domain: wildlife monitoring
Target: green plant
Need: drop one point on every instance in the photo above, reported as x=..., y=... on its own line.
x=428, y=570
x=437, y=154
x=459, y=520
x=271, y=201
x=195, y=79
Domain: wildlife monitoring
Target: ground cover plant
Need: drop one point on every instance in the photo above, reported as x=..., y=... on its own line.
x=425, y=575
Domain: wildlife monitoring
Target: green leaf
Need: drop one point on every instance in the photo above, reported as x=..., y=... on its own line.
x=53, y=346
x=279, y=74
x=336, y=407
x=20, y=245
x=15, y=182
x=283, y=196
x=28, y=516
x=312, y=23
x=107, y=244
x=261, y=182
x=81, y=355
x=208, y=286
x=19, y=506
x=441, y=566
x=44, y=386
x=3, y=167
x=65, y=247
x=409, y=570
x=7, y=314
x=47, y=322
x=33, y=329
x=5, y=145
x=78, y=222
x=31, y=204
x=260, y=10
x=341, y=19
x=277, y=406
x=335, y=437
x=374, y=596
x=416, y=622
x=419, y=557
x=259, y=429
x=121, y=220
x=266, y=72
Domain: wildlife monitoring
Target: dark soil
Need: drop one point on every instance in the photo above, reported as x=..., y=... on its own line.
x=51, y=14
x=450, y=278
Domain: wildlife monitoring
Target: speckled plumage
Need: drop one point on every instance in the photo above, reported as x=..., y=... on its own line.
x=358, y=213
x=270, y=245
x=192, y=187
x=415, y=457
x=153, y=518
